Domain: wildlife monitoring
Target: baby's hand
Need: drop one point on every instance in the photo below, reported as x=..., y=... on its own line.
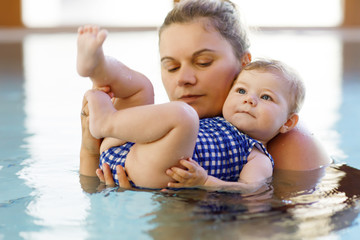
x=192, y=175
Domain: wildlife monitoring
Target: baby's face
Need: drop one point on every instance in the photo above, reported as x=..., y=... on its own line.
x=257, y=104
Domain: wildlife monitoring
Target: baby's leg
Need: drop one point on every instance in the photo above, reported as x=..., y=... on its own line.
x=163, y=134
x=90, y=56
x=109, y=143
x=147, y=162
x=124, y=82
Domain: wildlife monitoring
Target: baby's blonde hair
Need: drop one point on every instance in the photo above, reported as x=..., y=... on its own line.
x=297, y=87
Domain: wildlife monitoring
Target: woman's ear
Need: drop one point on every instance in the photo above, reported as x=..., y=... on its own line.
x=290, y=123
x=246, y=59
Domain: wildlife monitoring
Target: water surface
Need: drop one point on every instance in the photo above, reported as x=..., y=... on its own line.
x=43, y=196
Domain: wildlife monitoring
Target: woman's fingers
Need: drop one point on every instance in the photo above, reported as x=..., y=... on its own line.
x=109, y=181
x=84, y=108
x=123, y=180
x=100, y=175
x=105, y=89
x=105, y=176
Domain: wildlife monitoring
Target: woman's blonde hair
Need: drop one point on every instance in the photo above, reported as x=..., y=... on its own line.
x=221, y=14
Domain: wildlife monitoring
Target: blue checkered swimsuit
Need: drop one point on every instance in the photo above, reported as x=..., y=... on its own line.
x=221, y=149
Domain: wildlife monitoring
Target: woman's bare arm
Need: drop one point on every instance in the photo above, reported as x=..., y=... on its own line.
x=90, y=147
x=298, y=150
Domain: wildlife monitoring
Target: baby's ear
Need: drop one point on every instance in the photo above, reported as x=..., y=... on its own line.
x=290, y=123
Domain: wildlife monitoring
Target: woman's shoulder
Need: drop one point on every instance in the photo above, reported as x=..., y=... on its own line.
x=298, y=150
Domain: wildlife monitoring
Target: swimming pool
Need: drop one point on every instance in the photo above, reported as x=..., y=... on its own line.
x=42, y=195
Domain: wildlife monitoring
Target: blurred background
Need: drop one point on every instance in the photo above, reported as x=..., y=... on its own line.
x=321, y=39
x=145, y=13
x=41, y=95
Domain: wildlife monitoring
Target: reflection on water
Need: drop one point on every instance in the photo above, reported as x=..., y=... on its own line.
x=14, y=199
x=41, y=195
x=297, y=205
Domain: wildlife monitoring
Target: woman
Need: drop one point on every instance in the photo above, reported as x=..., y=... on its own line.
x=198, y=66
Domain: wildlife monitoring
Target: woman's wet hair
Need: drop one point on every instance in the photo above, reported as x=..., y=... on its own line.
x=222, y=15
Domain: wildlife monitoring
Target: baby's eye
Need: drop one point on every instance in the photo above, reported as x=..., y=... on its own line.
x=241, y=91
x=266, y=97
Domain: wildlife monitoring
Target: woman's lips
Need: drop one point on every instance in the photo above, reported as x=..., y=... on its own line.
x=190, y=98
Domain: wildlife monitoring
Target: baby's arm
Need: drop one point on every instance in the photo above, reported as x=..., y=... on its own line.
x=258, y=168
x=252, y=176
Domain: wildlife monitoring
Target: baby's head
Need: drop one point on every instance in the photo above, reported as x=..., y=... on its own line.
x=265, y=99
x=289, y=75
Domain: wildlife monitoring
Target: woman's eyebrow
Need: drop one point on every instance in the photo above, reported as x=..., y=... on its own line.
x=197, y=53
x=166, y=58
x=202, y=51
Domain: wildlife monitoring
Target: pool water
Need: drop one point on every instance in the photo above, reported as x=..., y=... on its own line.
x=42, y=195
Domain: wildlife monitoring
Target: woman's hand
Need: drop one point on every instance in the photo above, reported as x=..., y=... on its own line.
x=90, y=146
x=106, y=176
x=192, y=175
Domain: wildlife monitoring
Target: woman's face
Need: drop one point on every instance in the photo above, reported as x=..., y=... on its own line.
x=198, y=66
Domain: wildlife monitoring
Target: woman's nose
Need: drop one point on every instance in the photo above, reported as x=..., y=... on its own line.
x=186, y=76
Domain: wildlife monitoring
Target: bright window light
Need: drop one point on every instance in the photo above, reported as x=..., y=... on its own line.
x=295, y=13
x=134, y=13
x=143, y=13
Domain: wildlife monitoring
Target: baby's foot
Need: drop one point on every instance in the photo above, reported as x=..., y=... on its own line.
x=100, y=108
x=89, y=49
